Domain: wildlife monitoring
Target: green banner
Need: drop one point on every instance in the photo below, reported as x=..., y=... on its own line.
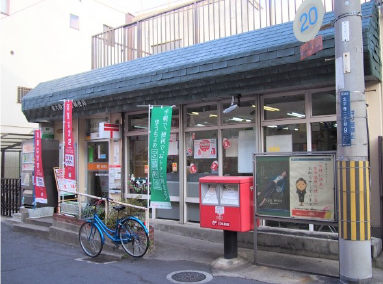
x=160, y=124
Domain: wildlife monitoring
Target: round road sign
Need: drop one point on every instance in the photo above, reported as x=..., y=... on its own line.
x=308, y=20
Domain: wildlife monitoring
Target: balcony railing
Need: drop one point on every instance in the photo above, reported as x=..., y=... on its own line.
x=197, y=22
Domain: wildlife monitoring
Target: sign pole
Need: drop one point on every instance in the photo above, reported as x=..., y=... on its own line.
x=352, y=154
x=148, y=175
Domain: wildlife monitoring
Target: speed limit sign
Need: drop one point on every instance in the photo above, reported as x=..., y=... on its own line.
x=308, y=20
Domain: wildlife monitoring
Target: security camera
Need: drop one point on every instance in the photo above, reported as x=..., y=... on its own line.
x=230, y=108
x=233, y=105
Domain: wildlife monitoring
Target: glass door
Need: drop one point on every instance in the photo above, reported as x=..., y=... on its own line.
x=98, y=168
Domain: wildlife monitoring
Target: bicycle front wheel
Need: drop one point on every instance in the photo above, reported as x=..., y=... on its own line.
x=90, y=239
x=134, y=238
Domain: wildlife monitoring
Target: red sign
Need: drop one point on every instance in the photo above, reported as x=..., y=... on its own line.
x=40, y=190
x=193, y=168
x=214, y=166
x=70, y=170
x=109, y=130
x=311, y=47
x=226, y=143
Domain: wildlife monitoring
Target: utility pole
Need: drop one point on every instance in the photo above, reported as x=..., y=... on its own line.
x=352, y=153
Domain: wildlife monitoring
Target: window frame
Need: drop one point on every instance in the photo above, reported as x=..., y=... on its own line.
x=71, y=24
x=308, y=119
x=21, y=93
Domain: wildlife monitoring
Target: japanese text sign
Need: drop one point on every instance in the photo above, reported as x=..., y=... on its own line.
x=345, y=118
x=160, y=124
x=40, y=190
x=70, y=170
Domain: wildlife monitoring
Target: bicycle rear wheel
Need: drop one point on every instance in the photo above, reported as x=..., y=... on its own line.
x=90, y=239
x=134, y=238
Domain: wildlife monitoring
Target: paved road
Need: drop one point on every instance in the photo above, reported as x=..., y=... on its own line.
x=29, y=259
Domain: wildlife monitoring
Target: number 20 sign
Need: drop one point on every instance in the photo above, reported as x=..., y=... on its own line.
x=308, y=20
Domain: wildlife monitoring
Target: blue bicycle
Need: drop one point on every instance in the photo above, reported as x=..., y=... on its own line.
x=130, y=232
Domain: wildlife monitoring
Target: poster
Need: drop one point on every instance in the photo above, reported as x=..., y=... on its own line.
x=40, y=189
x=205, y=149
x=272, y=179
x=312, y=188
x=296, y=186
x=114, y=178
x=160, y=124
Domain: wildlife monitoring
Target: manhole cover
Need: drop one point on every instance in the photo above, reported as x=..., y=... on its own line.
x=105, y=259
x=189, y=276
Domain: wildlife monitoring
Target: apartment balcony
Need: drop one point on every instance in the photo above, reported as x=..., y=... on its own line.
x=189, y=24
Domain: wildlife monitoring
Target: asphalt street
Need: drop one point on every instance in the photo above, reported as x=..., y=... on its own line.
x=29, y=259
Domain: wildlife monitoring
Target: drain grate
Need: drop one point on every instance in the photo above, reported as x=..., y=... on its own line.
x=189, y=276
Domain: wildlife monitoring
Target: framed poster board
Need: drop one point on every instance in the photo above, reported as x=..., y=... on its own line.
x=296, y=185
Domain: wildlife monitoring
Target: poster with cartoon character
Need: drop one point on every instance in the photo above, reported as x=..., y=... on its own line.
x=312, y=187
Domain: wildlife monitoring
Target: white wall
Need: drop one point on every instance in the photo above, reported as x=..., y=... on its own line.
x=45, y=47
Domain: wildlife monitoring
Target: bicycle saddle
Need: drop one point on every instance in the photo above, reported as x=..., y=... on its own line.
x=118, y=208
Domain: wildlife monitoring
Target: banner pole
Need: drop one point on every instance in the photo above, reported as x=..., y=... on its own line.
x=148, y=174
x=63, y=157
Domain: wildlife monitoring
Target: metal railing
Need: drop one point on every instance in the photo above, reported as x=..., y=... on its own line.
x=10, y=196
x=197, y=22
x=107, y=205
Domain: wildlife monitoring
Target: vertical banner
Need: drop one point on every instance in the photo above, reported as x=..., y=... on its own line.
x=70, y=170
x=160, y=124
x=40, y=190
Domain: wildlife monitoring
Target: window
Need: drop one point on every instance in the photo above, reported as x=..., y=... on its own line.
x=74, y=22
x=21, y=92
x=108, y=35
x=324, y=103
x=202, y=116
x=324, y=136
x=5, y=7
x=243, y=114
x=284, y=107
x=285, y=138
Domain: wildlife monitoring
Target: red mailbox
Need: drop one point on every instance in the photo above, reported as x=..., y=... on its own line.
x=226, y=203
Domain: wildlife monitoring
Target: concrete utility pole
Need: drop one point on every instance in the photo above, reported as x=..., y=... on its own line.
x=352, y=154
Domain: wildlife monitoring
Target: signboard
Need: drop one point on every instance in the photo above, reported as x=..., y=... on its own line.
x=345, y=118
x=308, y=20
x=300, y=186
x=159, y=137
x=205, y=149
x=109, y=130
x=69, y=162
x=40, y=189
x=47, y=133
x=114, y=178
x=64, y=184
x=311, y=47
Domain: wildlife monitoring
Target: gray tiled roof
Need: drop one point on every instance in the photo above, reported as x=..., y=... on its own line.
x=269, y=56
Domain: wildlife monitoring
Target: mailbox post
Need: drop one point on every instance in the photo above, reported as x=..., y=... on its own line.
x=226, y=203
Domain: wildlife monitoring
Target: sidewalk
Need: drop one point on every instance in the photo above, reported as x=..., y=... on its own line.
x=279, y=268
x=174, y=245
